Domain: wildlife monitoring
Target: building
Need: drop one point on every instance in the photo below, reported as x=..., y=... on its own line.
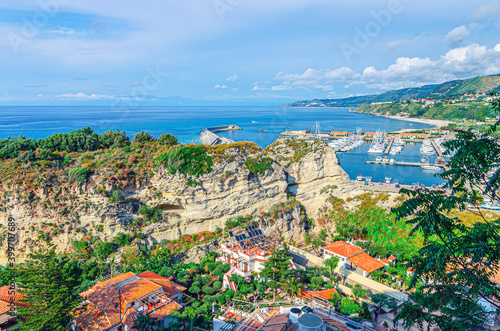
x=352, y=257
x=114, y=304
x=340, y=133
x=246, y=252
x=302, y=317
x=9, y=298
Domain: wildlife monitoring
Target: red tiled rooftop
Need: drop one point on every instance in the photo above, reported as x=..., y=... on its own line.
x=366, y=262
x=326, y=294
x=343, y=248
x=138, y=289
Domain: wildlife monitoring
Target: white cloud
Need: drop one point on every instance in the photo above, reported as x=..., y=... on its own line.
x=232, y=79
x=457, y=35
x=85, y=96
x=489, y=10
x=222, y=87
x=460, y=62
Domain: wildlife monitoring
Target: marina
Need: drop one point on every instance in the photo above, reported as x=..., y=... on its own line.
x=409, y=164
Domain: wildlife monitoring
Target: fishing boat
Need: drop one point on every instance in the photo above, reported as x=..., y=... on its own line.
x=360, y=178
x=368, y=179
x=392, y=161
x=387, y=180
x=385, y=159
x=379, y=159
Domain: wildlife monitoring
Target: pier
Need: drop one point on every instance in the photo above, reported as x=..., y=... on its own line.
x=388, y=149
x=222, y=128
x=407, y=164
x=208, y=136
x=436, y=147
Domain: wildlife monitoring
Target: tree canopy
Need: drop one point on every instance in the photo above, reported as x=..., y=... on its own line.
x=454, y=271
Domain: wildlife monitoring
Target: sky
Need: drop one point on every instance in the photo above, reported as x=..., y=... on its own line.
x=237, y=52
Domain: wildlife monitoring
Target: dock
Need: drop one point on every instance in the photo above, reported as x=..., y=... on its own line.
x=222, y=128
x=388, y=149
x=436, y=147
x=407, y=164
x=208, y=136
x=344, y=145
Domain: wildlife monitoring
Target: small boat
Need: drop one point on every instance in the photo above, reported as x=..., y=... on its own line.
x=490, y=205
x=424, y=160
x=431, y=167
x=368, y=179
x=387, y=180
x=379, y=159
x=262, y=130
x=392, y=161
x=360, y=178
x=439, y=160
x=385, y=159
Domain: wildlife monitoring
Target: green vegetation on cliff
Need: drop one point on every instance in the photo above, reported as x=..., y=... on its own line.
x=440, y=110
x=476, y=85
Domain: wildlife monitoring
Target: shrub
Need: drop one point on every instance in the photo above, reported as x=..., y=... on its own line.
x=103, y=249
x=167, y=139
x=348, y=306
x=150, y=213
x=187, y=160
x=117, y=138
x=142, y=137
x=259, y=164
x=116, y=195
x=79, y=174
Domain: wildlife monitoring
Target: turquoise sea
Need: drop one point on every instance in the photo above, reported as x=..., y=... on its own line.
x=186, y=122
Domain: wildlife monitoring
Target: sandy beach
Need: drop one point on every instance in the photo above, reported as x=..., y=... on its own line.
x=436, y=123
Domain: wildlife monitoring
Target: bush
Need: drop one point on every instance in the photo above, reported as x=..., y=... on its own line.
x=142, y=137
x=117, y=138
x=167, y=139
x=103, y=249
x=258, y=165
x=121, y=239
x=150, y=213
x=187, y=160
x=348, y=306
x=116, y=195
x=79, y=174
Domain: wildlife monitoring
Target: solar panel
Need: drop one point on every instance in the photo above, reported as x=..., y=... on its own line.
x=231, y=234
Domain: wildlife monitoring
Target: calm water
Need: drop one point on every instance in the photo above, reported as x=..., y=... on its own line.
x=186, y=122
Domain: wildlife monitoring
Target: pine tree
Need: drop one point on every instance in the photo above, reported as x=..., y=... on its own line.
x=48, y=283
x=277, y=268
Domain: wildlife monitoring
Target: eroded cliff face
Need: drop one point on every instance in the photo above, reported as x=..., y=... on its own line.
x=307, y=172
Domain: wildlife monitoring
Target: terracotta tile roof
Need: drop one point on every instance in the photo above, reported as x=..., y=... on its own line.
x=106, y=304
x=118, y=279
x=326, y=294
x=275, y=323
x=366, y=262
x=343, y=248
x=138, y=289
x=166, y=310
x=94, y=319
x=170, y=288
x=5, y=295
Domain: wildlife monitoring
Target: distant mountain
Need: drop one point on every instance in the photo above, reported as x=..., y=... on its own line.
x=482, y=84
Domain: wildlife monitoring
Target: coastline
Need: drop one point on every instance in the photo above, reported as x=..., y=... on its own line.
x=435, y=123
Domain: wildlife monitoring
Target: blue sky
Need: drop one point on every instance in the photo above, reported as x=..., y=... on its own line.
x=237, y=51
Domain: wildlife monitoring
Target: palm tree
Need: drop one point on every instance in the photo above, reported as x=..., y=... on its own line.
x=292, y=287
x=145, y=323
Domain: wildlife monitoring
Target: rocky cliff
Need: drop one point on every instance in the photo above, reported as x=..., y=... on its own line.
x=54, y=207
